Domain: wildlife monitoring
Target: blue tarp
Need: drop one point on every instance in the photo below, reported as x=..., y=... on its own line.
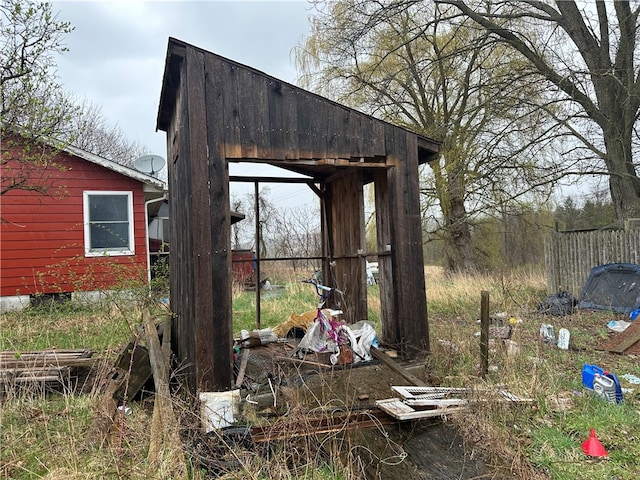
x=615, y=287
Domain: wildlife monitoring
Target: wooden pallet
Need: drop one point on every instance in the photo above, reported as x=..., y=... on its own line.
x=40, y=368
x=399, y=409
x=425, y=402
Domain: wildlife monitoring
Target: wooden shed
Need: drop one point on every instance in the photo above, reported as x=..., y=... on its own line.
x=217, y=111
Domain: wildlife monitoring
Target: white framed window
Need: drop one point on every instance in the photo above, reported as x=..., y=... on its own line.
x=108, y=223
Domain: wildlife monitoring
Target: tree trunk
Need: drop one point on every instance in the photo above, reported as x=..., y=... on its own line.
x=459, y=245
x=624, y=184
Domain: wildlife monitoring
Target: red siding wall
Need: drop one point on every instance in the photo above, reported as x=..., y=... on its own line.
x=42, y=236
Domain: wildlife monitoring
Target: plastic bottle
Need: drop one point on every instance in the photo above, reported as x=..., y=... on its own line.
x=616, y=382
x=588, y=374
x=605, y=387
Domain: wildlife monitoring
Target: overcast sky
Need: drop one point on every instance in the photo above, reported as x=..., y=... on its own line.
x=117, y=49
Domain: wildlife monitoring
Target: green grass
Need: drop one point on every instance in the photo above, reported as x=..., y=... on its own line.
x=288, y=298
x=275, y=305
x=41, y=437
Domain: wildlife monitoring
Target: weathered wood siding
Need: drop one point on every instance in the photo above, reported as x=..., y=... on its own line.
x=345, y=200
x=409, y=297
x=42, y=247
x=569, y=257
x=214, y=111
x=200, y=260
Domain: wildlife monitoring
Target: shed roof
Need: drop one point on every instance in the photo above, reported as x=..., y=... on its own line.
x=255, y=105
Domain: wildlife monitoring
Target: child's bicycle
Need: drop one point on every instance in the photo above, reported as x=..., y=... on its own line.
x=326, y=333
x=327, y=323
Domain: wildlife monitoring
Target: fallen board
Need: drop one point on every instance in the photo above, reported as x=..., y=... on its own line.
x=413, y=394
x=400, y=410
x=396, y=367
x=624, y=342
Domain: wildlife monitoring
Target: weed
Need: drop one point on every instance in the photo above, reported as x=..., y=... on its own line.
x=42, y=435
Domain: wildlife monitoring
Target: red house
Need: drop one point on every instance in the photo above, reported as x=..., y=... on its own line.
x=85, y=234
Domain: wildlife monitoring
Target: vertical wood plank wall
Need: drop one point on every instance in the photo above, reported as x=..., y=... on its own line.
x=346, y=197
x=181, y=263
x=410, y=302
x=219, y=320
x=391, y=324
x=215, y=111
x=569, y=257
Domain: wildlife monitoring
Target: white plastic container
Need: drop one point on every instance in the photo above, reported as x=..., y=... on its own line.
x=605, y=387
x=219, y=409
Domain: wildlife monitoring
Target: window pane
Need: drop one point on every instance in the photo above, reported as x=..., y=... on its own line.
x=109, y=236
x=105, y=208
x=165, y=231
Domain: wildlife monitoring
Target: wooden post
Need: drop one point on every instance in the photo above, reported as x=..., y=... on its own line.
x=256, y=209
x=163, y=414
x=484, y=333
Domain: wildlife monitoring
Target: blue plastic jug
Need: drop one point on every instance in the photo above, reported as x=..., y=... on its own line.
x=589, y=372
x=608, y=385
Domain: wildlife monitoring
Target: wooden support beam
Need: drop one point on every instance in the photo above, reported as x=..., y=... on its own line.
x=169, y=435
x=384, y=358
x=484, y=333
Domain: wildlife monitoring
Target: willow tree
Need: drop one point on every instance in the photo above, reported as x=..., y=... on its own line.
x=589, y=52
x=446, y=80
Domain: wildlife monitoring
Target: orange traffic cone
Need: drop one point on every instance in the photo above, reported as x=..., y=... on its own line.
x=593, y=447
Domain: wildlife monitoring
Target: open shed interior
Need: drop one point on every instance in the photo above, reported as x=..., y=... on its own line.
x=215, y=112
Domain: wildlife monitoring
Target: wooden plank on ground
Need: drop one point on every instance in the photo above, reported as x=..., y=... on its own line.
x=384, y=358
x=335, y=422
x=169, y=436
x=302, y=362
x=42, y=358
x=243, y=367
x=134, y=360
x=624, y=340
x=400, y=410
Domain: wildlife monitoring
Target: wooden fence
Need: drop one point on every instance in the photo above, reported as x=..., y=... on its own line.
x=569, y=257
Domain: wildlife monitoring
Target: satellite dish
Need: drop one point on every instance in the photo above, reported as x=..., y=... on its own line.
x=150, y=164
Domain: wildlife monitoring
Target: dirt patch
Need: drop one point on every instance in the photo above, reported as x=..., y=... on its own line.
x=429, y=450
x=425, y=449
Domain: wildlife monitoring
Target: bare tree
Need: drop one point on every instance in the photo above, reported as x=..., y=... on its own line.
x=31, y=98
x=38, y=118
x=95, y=134
x=589, y=53
x=297, y=233
x=406, y=63
x=243, y=232
x=35, y=111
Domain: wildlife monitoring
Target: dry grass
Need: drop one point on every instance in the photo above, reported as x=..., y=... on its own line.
x=42, y=434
